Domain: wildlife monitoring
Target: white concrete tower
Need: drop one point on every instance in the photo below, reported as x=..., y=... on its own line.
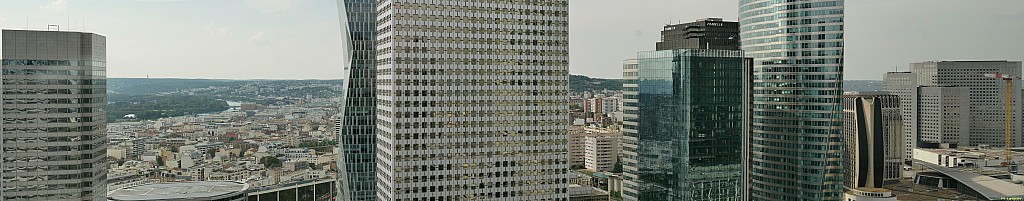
x=472, y=97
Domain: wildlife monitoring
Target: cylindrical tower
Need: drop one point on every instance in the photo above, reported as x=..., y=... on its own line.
x=795, y=138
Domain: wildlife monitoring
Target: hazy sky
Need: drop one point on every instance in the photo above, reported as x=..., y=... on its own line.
x=299, y=39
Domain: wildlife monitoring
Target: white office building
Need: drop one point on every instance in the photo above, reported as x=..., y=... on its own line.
x=602, y=151
x=472, y=100
x=944, y=82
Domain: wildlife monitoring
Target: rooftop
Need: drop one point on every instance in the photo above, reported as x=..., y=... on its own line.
x=907, y=190
x=576, y=190
x=865, y=93
x=177, y=191
x=873, y=190
x=954, y=61
x=977, y=153
x=989, y=187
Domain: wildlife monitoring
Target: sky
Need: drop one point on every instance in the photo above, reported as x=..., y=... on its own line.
x=300, y=39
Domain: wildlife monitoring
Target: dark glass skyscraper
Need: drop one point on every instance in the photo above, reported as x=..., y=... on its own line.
x=795, y=140
x=683, y=120
x=357, y=124
x=54, y=119
x=709, y=33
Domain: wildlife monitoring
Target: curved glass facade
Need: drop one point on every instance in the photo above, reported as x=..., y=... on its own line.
x=795, y=140
x=54, y=119
x=356, y=127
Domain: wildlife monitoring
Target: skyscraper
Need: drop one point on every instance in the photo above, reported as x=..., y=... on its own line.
x=873, y=136
x=945, y=84
x=472, y=100
x=683, y=120
x=357, y=124
x=54, y=122
x=941, y=114
x=795, y=139
x=986, y=95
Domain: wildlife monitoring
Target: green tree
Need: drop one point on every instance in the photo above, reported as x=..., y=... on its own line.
x=210, y=153
x=271, y=162
x=616, y=195
x=617, y=168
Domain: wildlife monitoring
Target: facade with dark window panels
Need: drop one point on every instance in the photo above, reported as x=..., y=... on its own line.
x=322, y=190
x=356, y=126
x=472, y=100
x=796, y=130
x=683, y=123
x=709, y=33
x=54, y=122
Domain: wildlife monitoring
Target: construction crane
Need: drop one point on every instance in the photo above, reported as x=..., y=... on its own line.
x=1009, y=114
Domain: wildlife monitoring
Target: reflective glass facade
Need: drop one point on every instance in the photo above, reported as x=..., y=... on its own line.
x=795, y=139
x=54, y=122
x=682, y=125
x=357, y=124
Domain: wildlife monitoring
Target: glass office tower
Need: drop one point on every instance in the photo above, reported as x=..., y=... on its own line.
x=357, y=125
x=472, y=100
x=682, y=125
x=795, y=139
x=54, y=122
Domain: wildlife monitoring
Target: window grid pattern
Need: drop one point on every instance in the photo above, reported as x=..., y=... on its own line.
x=472, y=97
x=683, y=118
x=356, y=127
x=796, y=141
x=54, y=119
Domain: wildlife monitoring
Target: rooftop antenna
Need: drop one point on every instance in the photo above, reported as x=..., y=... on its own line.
x=69, y=19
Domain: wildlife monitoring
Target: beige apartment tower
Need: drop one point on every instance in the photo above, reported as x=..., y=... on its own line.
x=601, y=152
x=873, y=139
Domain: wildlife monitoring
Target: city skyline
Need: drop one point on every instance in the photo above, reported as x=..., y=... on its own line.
x=477, y=100
x=259, y=38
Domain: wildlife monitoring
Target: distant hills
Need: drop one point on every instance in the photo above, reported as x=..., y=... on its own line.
x=152, y=98
x=144, y=86
x=863, y=85
x=581, y=83
x=140, y=86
